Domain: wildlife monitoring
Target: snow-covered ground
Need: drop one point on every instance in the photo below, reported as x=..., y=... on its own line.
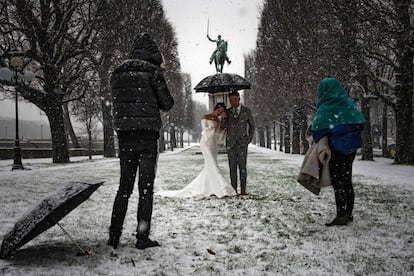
x=277, y=230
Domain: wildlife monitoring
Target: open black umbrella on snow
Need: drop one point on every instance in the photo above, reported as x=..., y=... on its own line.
x=222, y=82
x=45, y=214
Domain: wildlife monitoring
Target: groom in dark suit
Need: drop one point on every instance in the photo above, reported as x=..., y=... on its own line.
x=238, y=121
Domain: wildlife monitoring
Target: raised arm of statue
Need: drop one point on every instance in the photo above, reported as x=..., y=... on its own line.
x=212, y=40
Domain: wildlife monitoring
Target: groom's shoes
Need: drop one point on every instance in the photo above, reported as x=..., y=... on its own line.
x=339, y=220
x=243, y=192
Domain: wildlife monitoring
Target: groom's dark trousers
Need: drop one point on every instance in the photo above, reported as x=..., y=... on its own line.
x=237, y=156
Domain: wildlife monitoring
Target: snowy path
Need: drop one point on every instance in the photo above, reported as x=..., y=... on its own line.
x=381, y=170
x=277, y=230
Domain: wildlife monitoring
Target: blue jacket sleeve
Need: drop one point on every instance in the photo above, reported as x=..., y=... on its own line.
x=345, y=139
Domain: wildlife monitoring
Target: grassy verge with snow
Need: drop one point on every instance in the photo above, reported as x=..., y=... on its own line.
x=277, y=229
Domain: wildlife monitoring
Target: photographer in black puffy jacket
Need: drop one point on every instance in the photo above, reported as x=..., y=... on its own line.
x=139, y=92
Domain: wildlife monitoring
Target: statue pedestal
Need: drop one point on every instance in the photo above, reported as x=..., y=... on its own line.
x=221, y=97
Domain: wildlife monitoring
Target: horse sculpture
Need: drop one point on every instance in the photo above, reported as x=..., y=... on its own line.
x=220, y=57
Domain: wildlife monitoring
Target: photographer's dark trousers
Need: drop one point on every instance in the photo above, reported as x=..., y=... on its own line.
x=142, y=155
x=340, y=169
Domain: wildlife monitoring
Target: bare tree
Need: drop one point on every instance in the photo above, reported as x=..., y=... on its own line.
x=53, y=36
x=379, y=41
x=391, y=48
x=121, y=21
x=289, y=58
x=367, y=45
x=87, y=109
x=188, y=101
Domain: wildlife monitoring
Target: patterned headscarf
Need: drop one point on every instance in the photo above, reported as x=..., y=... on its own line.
x=334, y=106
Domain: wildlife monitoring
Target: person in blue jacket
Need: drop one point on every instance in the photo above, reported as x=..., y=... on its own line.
x=338, y=118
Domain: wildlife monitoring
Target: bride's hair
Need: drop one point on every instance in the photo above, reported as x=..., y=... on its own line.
x=218, y=105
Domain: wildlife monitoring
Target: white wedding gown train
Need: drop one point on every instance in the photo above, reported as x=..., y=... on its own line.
x=209, y=181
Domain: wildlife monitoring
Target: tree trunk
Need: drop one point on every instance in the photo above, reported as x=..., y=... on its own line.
x=181, y=138
x=108, y=130
x=69, y=127
x=107, y=118
x=161, y=141
x=261, y=136
x=90, y=144
x=304, y=142
x=404, y=71
x=404, y=153
x=367, y=152
x=254, y=140
x=384, y=143
x=173, y=139
x=268, y=137
x=281, y=137
x=287, y=135
x=287, y=140
x=57, y=129
x=296, y=134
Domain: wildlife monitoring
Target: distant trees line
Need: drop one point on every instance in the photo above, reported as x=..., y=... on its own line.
x=367, y=45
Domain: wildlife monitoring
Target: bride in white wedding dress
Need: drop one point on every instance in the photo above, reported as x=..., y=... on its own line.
x=209, y=181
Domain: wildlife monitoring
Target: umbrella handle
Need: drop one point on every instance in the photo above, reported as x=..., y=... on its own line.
x=64, y=231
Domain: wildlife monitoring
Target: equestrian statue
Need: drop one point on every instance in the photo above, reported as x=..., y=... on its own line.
x=219, y=56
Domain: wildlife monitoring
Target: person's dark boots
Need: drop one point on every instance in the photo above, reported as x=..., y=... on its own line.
x=145, y=242
x=114, y=239
x=339, y=220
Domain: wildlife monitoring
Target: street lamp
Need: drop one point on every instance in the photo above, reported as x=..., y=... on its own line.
x=6, y=76
x=17, y=64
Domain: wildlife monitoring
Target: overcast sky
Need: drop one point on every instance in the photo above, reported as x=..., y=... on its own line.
x=236, y=21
